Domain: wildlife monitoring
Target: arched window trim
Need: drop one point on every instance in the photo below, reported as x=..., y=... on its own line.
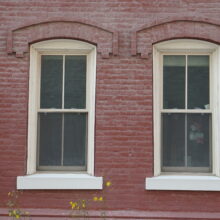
x=77, y=180
x=178, y=180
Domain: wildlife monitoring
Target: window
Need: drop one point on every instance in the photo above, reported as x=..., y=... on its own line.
x=186, y=116
x=186, y=110
x=61, y=116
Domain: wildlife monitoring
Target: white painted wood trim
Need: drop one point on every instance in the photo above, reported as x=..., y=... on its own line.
x=91, y=91
x=64, y=110
x=216, y=111
x=62, y=47
x=59, y=181
x=186, y=46
x=195, y=183
x=32, y=113
x=186, y=111
x=156, y=108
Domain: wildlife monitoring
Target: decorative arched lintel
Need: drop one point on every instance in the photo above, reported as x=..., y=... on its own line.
x=20, y=37
x=144, y=37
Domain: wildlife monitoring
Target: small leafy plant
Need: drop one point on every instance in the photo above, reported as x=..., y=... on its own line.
x=79, y=207
x=13, y=206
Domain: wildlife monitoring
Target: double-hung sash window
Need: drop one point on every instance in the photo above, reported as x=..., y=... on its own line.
x=186, y=113
x=186, y=107
x=62, y=116
x=61, y=106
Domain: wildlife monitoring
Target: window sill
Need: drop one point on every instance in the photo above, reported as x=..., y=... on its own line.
x=59, y=181
x=194, y=183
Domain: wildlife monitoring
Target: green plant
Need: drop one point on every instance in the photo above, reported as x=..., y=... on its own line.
x=79, y=208
x=13, y=206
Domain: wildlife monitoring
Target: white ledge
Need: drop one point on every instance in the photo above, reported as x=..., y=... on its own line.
x=59, y=181
x=194, y=183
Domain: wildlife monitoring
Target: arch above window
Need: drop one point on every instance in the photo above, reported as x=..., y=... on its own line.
x=20, y=37
x=144, y=37
x=63, y=46
x=184, y=45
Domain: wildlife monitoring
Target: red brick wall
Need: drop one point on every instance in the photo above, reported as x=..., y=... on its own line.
x=123, y=140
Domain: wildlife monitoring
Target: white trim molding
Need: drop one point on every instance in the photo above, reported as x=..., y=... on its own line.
x=183, y=182
x=178, y=180
x=51, y=180
x=59, y=181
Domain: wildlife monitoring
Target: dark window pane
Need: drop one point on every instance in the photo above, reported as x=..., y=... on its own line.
x=75, y=82
x=173, y=141
x=51, y=81
x=199, y=136
x=198, y=82
x=174, y=82
x=75, y=139
x=50, y=139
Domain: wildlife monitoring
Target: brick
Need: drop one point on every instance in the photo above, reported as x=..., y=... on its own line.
x=124, y=117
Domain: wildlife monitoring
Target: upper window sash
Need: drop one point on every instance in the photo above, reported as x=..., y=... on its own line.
x=66, y=65
x=185, y=105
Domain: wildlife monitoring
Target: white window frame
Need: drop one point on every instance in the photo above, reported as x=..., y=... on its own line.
x=54, y=179
x=176, y=180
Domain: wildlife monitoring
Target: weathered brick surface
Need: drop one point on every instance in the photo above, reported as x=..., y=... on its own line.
x=19, y=38
x=123, y=140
